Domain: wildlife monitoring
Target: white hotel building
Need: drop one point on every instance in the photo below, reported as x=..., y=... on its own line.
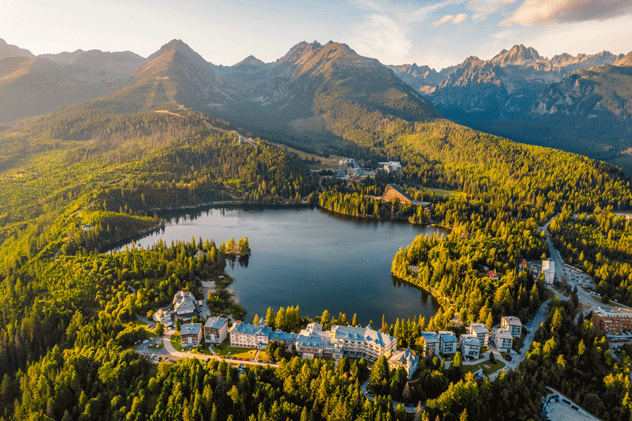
x=315, y=342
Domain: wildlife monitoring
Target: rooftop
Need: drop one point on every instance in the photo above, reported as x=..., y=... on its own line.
x=512, y=321
x=613, y=312
x=503, y=333
x=548, y=265
x=191, y=329
x=447, y=336
x=314, y=336
x=248, y=329
x=404, y=357
x=430, y=336
x=279, y=335
x=215, y=322
x=184, y=302
x=479, y=328
x=470, y=340
x=361, y=334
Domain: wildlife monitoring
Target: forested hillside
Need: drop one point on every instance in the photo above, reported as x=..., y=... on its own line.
x=79, y=179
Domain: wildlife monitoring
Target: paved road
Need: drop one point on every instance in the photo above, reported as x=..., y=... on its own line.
x=562, y=271
x=517, y=358
x=168, y=351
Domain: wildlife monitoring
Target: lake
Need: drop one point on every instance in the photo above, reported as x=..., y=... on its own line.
x=312, y=258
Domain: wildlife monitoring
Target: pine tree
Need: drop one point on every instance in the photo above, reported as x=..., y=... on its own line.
x=463, y=415
x=270, y=317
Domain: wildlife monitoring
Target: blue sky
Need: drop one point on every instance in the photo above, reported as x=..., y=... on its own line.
x=438, y=33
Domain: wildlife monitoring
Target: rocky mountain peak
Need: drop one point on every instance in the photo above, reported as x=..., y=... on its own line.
x=518, y=55
x=299, y=50
x=625, y=61
x=180, y=47
x=251, y=61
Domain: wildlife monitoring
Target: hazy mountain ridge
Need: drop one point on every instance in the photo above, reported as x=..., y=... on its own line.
x=9, y=50
x=422, y=78
x=31, y=85
x=34, y=86
x=317, y=91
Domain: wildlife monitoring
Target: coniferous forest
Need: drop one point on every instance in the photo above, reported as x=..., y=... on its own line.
x=68, y=320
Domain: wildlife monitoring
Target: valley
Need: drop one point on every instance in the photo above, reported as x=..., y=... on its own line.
x=176, y=132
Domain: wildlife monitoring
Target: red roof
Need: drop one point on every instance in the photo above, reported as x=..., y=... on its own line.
x=492, y=274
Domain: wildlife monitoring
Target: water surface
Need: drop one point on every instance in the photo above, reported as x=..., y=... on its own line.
x=312, y=258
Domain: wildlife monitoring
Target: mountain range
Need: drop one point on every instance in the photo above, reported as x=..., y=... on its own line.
x=301, y=97
x=562, y=102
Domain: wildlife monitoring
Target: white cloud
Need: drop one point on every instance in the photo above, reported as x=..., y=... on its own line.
x=380, y=36
x=422, y=13
x=460, y=18
x=567, y=11
x=585, y=37
x=483, y=8
x=387, y=28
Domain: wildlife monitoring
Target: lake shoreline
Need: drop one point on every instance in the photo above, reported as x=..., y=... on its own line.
x=307, y=256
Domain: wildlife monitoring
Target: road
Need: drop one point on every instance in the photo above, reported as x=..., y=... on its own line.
x=562, y=272
x=168, y=351
x=518, y=358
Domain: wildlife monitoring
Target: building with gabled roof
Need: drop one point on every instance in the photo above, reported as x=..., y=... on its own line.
x=314, y=342
x=363, y=341
x=390, y=166
x=215, y=330
x=244, y=335
x=184, y=305
x=164, y=316
x=288, y=339
x=394, y=192
x=513, y=324
x=405, y=358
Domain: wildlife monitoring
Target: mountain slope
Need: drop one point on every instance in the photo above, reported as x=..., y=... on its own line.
x=177, y=74
x=422, y=78
x=319, y=93
x=34, y=86
x=8, y=50
x=507, y=86
x=31, y=86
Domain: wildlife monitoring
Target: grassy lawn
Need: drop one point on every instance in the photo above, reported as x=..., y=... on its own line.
x=444, y=193
x=487, y=367
x=175, y=341
x=156, y=346
x=226, y=350
x=204, y=351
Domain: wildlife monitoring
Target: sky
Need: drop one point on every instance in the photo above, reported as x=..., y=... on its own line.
x=437, y=33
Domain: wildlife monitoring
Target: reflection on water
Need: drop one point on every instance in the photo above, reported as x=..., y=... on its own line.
x=311, y=258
